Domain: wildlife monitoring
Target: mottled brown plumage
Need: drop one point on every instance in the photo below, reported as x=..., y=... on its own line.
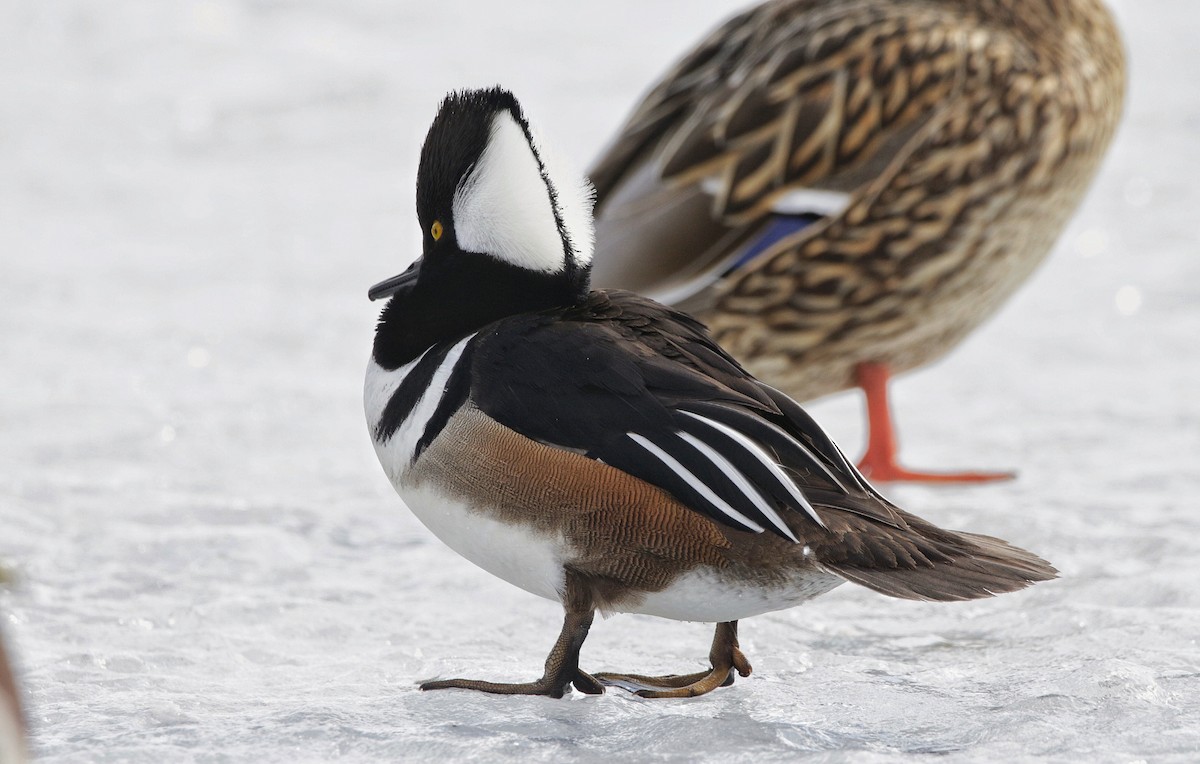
x=965, y=133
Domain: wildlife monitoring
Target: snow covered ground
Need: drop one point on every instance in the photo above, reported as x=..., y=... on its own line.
x=194, y=197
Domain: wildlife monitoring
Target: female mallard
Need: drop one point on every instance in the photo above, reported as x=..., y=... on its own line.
x=844, y=189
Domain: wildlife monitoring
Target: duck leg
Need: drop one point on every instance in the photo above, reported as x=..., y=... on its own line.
x=880, y=461
x=562, y=665
x=725, y=657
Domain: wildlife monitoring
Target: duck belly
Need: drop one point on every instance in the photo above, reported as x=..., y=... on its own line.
x=708, y=595
x=516, y=553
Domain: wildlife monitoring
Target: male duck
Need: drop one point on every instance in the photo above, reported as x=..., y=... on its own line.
x=600, y=449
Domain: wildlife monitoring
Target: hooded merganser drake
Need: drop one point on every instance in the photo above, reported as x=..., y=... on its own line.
x=845, y=189
x=599, y=449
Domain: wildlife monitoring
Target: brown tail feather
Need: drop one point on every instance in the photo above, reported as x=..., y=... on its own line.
x=975, y=566
x=915, y=559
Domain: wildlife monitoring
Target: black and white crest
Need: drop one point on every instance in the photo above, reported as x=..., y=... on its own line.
x=505, y=195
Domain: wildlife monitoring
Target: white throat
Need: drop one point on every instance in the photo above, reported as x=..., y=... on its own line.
x=509, y=205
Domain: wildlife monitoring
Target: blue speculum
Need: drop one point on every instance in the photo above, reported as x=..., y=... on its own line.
x=779, y=227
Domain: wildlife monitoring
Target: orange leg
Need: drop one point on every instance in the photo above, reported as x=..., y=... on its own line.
x=879, y=462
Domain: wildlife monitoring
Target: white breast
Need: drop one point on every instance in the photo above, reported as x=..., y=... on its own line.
x=514, y=553
x=396, y=453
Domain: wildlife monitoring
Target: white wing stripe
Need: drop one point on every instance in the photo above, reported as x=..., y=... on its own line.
x=743, y=484
x=766, y=460
x=687, y=476
x=816, y=460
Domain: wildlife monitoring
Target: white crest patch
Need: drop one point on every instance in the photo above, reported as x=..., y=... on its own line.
x=506, y=208
x=575, y=196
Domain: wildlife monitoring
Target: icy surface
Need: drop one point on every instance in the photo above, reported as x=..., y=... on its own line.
x=194, y=197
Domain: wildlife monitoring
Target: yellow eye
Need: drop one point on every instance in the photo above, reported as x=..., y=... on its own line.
x=435, y=230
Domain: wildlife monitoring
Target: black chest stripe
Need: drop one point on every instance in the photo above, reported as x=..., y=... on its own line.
x=409, y=393
x=458, y=386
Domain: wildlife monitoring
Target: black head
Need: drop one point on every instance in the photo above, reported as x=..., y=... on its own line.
x=503, y=231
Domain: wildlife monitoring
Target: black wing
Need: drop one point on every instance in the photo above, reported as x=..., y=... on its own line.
x=643, y=388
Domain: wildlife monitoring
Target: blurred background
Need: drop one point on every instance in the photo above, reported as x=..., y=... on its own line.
x=209, y=563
